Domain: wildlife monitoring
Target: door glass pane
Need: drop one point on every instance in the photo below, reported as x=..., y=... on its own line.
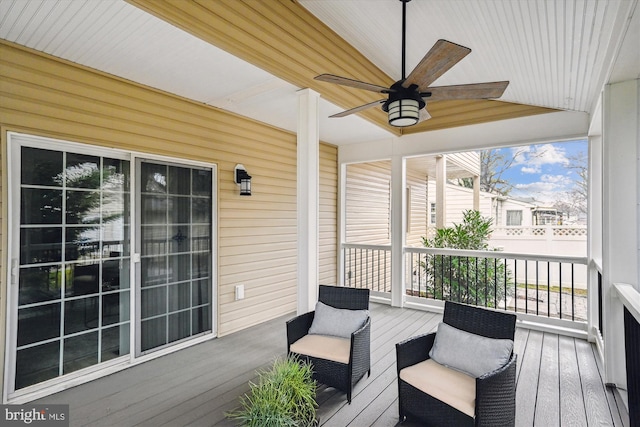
x=82, y=243
x=80, y=351
x=83, y=207
x=74, y=235
x=175, y=248
x=115, y=342
x=40, y=245
x=38, y=323
x=82, y=171
x=80, y=315
x=115, y=308
x=39, y=284
x=41, y=206
x=153, y=178
x=36, y=364
x=153, y=333
x=41, y=167
x=82, y=279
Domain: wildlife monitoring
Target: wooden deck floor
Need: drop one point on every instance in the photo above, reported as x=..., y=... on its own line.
x=559, y=381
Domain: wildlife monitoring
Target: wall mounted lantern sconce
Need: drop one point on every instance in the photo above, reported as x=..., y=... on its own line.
x=243, y=179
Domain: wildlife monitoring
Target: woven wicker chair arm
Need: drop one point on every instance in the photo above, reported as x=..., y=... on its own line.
x=366, y=326
x=414, y=350
x=360, y=339
x=298, y=327
x=496, y=396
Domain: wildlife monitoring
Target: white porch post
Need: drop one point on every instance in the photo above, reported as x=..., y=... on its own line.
x=307, y=198
x=621, y=141
x=398, y=226
x=476, y=193
x=441, y=191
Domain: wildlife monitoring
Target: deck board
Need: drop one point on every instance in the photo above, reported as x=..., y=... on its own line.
x=527, y=382
x=572, y=410
x=559, y=381
x=548, y=402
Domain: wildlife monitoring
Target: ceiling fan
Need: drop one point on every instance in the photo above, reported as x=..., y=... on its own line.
x=407, y=98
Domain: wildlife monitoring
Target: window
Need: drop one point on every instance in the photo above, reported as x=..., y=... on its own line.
x=514, y=217
x=432, y=214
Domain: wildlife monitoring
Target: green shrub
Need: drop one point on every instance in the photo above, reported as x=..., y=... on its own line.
x=469, y=280
x=284, y=396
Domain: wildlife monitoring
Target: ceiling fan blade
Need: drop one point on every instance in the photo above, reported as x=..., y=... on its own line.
x=424, y=115
x=330, y=78
x=360, y=108
x=468, y=91
x=442, y=56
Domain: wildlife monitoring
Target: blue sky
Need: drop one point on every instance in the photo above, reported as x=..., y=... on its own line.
x=541, y=171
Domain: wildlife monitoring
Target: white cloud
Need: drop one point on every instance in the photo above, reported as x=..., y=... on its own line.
x=560, y=180
x=548, y=189
x=533, y=157
x=528, y=169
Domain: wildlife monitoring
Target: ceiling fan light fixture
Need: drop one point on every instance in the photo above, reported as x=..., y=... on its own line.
x=404, y=112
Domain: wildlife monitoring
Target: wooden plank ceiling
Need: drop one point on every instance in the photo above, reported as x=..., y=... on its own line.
x=286, y=40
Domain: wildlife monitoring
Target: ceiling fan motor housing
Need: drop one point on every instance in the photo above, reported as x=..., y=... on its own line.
x=404, y=105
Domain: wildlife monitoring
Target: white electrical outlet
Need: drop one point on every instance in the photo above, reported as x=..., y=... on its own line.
x=239, y=292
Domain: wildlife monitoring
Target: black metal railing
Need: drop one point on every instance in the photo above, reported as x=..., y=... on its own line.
x=549, y=286
x=629, y=297
x=367, y=266
x=600, y=305
x=632, y=353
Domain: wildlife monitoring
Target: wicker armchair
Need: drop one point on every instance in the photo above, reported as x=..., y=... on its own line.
x=495, y=392
x=340, y=375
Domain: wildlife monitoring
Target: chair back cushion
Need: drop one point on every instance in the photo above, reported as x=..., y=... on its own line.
x=337, y=322
x=323, y=347
x=343, y=297
x=472, y=354
x=452, y=387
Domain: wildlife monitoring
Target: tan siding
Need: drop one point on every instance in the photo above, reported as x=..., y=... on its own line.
x=418, y=214
x=460, y=199
x=328, y=204
x=368, y=200
x=368, y=221
x=257, y=235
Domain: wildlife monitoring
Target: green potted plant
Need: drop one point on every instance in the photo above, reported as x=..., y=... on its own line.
x=283, y=396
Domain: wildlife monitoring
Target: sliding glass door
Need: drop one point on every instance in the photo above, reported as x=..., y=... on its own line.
x=72, y=263
x=175, y=227
x=110, y=258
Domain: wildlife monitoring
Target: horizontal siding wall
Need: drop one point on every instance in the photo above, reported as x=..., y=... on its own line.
x=328, y=204
x=460, y=199
x=45, y=96
x=368, y=198
x=418, y=213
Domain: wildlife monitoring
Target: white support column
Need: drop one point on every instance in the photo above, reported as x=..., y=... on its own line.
x=441, y=191
x=476, y=193
x=398, y=227
x=308, y=195
x=594, y=227
x=621, y=142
